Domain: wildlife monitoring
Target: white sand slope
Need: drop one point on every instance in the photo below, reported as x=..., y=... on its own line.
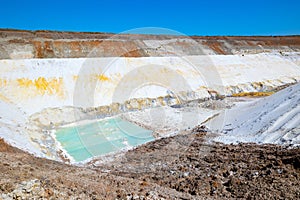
x=92, y=82
x=274, y=119
x=13, y=128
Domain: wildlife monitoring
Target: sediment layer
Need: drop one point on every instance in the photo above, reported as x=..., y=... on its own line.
x=16, y=44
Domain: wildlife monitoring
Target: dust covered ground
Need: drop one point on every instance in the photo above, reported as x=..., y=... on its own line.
x=178, y=167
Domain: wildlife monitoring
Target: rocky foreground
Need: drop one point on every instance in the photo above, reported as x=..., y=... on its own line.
x=179, y=167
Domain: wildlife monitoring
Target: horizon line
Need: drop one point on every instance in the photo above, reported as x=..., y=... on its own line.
x=153, y=34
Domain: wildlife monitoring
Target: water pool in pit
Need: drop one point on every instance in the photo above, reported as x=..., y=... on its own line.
x=102, y=137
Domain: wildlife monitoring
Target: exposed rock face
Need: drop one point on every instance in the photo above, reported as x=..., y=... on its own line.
x=16, y=44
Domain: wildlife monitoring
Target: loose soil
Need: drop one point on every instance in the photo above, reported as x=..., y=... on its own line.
x=179, y=167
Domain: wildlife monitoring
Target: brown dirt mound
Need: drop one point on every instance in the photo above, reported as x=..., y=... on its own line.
x=180, y=167
x=4, y=147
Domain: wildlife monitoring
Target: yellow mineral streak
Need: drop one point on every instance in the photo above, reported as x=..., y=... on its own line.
x=43, y=86
x=3, y=82
x=75, y=77
x=253, y=94
x=4, y=98
x=179, y=72
x=102, y=77
x=25, y=82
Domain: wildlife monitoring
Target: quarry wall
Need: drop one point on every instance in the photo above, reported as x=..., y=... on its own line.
x=48, y=79
x=16, y=44
x=34, y=84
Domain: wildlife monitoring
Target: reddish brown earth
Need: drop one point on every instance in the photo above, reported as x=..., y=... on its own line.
x=50, y=44
x=180, y=167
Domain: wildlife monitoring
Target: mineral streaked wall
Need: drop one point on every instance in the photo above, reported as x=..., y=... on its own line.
x=46, y=44
x=36, y=84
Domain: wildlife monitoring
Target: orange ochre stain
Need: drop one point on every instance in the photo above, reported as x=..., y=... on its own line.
x=43, y=86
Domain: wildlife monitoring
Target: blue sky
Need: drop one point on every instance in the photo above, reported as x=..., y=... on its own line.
x=210, y=17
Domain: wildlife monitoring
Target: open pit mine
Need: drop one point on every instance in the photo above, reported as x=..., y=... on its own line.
x=155, y=112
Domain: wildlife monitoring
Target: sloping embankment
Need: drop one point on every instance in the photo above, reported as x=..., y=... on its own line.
x=274, y=119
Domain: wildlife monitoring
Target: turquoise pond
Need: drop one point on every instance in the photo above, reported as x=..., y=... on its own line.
x=101, y=137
